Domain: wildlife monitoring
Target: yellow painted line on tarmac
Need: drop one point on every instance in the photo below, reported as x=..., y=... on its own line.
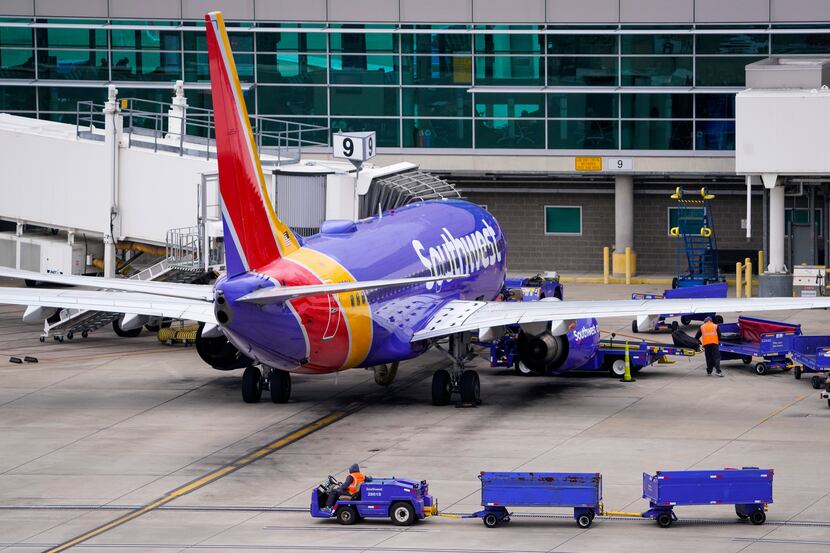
x=233, y=466
x=781, y=410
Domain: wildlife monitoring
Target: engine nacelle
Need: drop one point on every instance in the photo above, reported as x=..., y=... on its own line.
x=547, y=353
x=219, y=353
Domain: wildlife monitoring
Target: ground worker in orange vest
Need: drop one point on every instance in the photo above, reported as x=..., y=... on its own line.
x=709, y=336
x=350, y=486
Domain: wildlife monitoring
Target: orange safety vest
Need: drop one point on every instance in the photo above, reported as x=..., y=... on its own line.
x=358, y=479
x=708, y=333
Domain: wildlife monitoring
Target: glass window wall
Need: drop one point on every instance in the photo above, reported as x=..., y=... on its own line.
x=76, y=65
x=437, y=133
x=364, y=100
x=656, y=106
x=509, y=70
x=582, y=71
x=17, y=98
x=510, y=133
x=437, y=102
x=657, y=71
x=656, y=135
x=501, y=104
x=291, y=68
x=364, y=70
x=437, y=70
x=575, y=134
x=579, y=105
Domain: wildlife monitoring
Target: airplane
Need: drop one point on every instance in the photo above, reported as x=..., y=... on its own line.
x=370, y=293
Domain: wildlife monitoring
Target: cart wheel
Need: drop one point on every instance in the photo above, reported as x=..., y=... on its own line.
x=674, y=326
x=70, y=336
x=746, y=359
x=797, y=373
x=617, y=369
x=685, y=320
x=718, y=320
x=84, y=334
x=742, y=516
x=346, y=515
x=583, y=521
x=816, y=382
x=591, y=514
x=760, y=369
x=42, y=339
x=402, y=514
x=674, y=283
x=634, y=326
x=490, y=520
x=664, y=520
x=758, y=517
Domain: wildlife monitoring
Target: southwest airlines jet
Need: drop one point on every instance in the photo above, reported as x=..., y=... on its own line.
x=366, y=294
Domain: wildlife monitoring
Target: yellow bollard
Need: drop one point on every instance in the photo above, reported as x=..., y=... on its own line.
x=760, y=262
x=738, y=279
x=628, y=265
x=627, y=376
x=748, y=273
x=606, y=254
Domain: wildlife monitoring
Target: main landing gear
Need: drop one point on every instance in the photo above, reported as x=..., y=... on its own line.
x=257, y=379
x=458, y=379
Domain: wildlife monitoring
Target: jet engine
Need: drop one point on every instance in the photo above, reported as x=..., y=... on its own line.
x=549, y=353
x=219, y=353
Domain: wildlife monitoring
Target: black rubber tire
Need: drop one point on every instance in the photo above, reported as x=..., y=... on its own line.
x=165, y=323
x=591, y=514
x=634, y=326
x=817, y=382
x=470, y=387
x=741, y=515
x=346, y=515
x=584, y=521
x=718, y=320
x=674, y=283
x=760, y=369
x=132, y=333
x=402, y=513
x=251, y=385
x=85, y=334
x=490, y=520
x=70, y=335
x=664, y=520
x=280, y=386
x=746, y=359
x=674, y=326
x=758, y=517
x=42, y=339
x=441, y=388
x=797, y=373
x=685, y=321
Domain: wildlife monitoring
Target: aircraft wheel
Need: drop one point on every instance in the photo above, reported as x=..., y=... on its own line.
x=470, y=387
x=279, y=386
x=132, y=333
x=441, y=387
x=251, y=385
x=634, y=326
x=816, y=382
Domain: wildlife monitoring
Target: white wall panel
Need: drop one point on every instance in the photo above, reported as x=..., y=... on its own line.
x=290, y=10
x=73, y=8
x=583, y=11
x=514, y=11
x=800, y=10
x=17, y=7
x=145, y=9
x=231, y=9
x=363, y=10
x=657, y=11
x=436, y=11
x=730, y=11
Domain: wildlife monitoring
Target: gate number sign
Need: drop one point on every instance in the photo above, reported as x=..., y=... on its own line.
x=354, y=146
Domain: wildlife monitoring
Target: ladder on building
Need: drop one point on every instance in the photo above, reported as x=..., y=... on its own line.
x=80, y=322
x=695, y=225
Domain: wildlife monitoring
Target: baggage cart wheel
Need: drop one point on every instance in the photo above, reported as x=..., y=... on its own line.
x=84, y=334
x=634, y=326
x=758, y=517
x=746, y=359
x=42, y=339
x=402, y=513
x=441, y=387
x=251, y=385
x=592, y=513
x=718, y=320
x=664, y=520
x=346, y=515
x=797, y=373
x=583, y=521
x=760, y=369
x=816, y=382
x=674, y=326
x=490, y=520
x=685, y=320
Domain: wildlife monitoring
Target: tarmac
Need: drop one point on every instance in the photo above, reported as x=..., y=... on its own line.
x=118, y=444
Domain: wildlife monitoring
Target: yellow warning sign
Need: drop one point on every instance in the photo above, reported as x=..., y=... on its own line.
x=588, y=163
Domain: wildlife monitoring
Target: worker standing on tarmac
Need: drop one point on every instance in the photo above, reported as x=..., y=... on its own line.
x=709, y=336
x=350, y=486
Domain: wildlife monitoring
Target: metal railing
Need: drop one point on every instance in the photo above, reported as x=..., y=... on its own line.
x=162, y=126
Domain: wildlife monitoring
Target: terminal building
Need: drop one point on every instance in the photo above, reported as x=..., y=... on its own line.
x=573, y=121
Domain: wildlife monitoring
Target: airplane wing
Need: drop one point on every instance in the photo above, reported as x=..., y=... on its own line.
x=464, y=316
x=154, y=305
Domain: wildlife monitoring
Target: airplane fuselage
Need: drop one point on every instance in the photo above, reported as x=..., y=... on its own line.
x=319, y=334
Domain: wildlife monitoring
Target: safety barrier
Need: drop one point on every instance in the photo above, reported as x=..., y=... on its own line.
x=606, y=265
x=743, y=271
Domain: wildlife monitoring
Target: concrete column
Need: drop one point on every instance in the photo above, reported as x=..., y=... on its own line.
x=776, y=230
x=112, y=144
x=623, y=223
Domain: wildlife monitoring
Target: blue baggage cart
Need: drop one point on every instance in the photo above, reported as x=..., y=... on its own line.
x=752, y=337
x=718, y=290
x=811, y=354
x=749, y=489
x=499, y=490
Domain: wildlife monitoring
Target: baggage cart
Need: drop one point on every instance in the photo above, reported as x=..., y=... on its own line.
x=751, y=337
x=811, y=354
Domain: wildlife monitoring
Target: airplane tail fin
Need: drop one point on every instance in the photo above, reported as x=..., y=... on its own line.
x=254, y=236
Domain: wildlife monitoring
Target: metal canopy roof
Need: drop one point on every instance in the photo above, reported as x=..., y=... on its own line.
x=393, y=191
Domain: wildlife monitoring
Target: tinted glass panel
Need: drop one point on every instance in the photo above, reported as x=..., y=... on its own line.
x=722, y=71
x=436, y=44
x=715, y=135
x=73, y=64
x=657, y=135
x=196, y=66
x=500, y=105
x=150, y=66
x=356, y=69
x=240, y=42
x=732, y=44
x=657, y=71
x=288, y=67
x=15, y=36
x=292, y=100
x=801, y=44
x=656, y=106
x=582, y=44
x=388, y=131
x=509, y=70
x=146, y=39
x=582, y=135
x=563, y=220
x=358, y=43
x=364, y=101
x=508, y=44
x=54, y=98
x=437, y=133
x=587, y=71
x=321, y=136
x=290, y=42
x=17, y=64
x=582, y=105
x=441, y=102
x=71, y=38
x=17, y=98
x=437, y=70
x=668, y=45
x=510, y=133
x=713, y=106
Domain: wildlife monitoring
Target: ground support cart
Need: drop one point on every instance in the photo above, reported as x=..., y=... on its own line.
x=718, y=290
x=751, y=337
x=811, y=354
x=534, y=288
x=403, y=501
x=748, y=489
x=500, y=490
